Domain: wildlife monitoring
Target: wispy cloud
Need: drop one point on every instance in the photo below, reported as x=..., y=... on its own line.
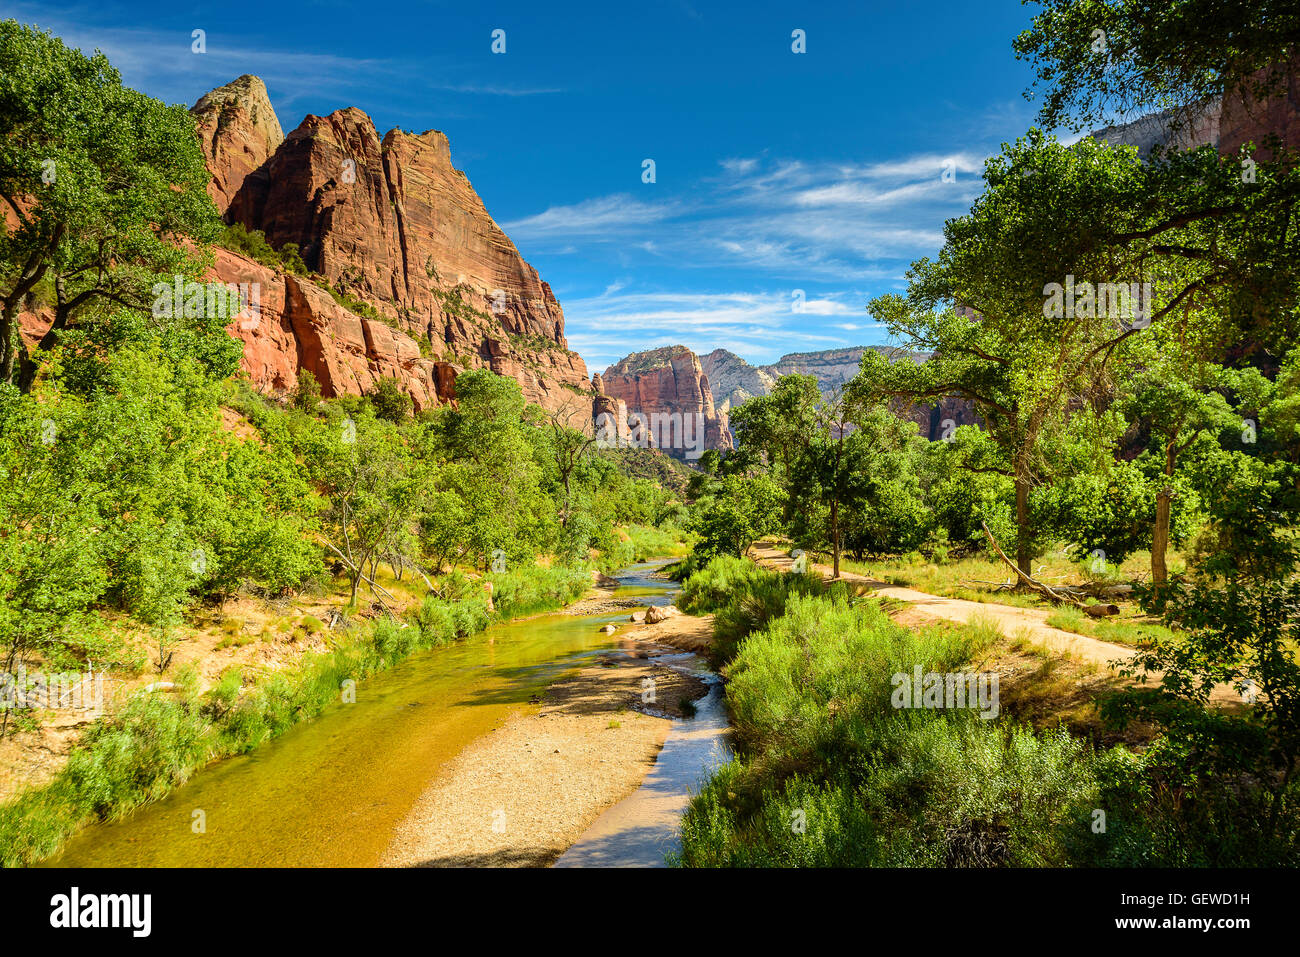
x=164, y=62
x=599, y=216
x=761, y=326
x=790, y=218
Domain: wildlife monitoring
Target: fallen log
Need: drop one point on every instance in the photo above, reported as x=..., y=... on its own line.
x=1051, y=594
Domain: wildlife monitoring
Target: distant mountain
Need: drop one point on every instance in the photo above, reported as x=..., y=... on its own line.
x=661, y=387
x=734, y=380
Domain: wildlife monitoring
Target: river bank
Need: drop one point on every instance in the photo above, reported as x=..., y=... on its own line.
x=530, y=790
x=332, y=791
x=521, y=795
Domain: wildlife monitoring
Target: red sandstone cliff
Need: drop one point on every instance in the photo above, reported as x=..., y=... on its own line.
x=391, y=223
x=663, y=383
x=239, y=132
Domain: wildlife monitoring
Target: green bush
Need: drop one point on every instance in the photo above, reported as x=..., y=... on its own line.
x=253, y=244
x=532, y=589
x=745, y=597
x=819, y=741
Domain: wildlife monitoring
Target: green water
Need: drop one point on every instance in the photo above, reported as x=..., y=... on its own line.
x=330, y=792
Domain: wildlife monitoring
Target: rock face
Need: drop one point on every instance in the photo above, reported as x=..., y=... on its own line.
x=1245, y=119
x=239, y=132
x=1169, y=130
x=667, y=393
x=299, y=326
x=832, y=368
x=734, y=380
x=1228, y=123
x=391, y=225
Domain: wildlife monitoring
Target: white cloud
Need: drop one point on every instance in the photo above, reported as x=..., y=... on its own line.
x=739, y=166
x=791, y=219
x=597, y=215
x=761, y=326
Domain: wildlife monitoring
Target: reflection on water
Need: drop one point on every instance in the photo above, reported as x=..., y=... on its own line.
x=641, y=829
x=329, y=792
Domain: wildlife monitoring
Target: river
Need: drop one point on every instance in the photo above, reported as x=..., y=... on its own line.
x=330, y=791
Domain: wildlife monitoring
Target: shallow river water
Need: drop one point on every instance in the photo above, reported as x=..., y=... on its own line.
x=329, y=792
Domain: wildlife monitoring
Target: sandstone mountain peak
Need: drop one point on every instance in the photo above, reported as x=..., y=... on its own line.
x=667, y=382
x=735, y=380
x=239, y=131
x=647, y=360
x=423, y=281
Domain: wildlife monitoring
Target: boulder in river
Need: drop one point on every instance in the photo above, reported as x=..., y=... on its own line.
x=638, y=616
x=609, y=629
x=657, y=613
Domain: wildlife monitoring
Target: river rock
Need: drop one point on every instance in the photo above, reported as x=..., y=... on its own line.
x=638, y=616
x=656, y=614
x=609, y=629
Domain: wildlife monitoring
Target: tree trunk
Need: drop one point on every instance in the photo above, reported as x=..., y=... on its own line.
x=1160, y=538
x=7, y=349
x=1160, y=534
x=835, y=535
x=1023, y=558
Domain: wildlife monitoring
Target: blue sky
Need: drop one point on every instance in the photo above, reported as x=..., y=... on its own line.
x=775, y=171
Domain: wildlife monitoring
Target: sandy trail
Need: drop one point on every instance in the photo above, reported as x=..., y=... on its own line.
x=1032, y=622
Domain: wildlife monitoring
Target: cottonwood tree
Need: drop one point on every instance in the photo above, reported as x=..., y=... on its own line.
x=1133, y=242
x=375, y=493
x=101, y=188
x=1099, y=60
x=487, y=464
x=568, y=449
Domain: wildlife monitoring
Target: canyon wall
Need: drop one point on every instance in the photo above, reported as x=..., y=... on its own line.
x=667, y=385
x=239, y=132
x=1227, y=123
x=411, y=277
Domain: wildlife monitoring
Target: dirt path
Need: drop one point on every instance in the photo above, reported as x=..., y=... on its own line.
x=519, y=796
x=1031, y=622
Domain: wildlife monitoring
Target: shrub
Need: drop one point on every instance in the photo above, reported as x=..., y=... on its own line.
x=821, y=745
x=391, y=402
x=306, y=397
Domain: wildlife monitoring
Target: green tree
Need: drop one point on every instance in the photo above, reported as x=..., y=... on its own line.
x=104, y=184
x=391, y=402
x=735, y=512
x=487, y=460
x=1069, y=254
x=1096, y=60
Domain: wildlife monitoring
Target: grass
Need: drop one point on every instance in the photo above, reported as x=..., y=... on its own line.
x=975, y=577
x=820, y=742
x=638, y=543
x=828, y=773
x=1133, y=630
